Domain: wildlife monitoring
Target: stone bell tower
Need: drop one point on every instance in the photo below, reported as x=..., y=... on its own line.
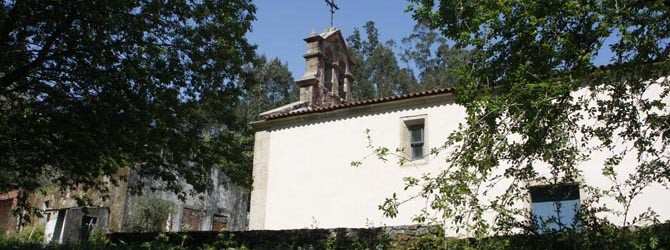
x=328, y=79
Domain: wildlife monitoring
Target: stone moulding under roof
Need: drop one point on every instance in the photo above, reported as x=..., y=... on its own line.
x=311, y=110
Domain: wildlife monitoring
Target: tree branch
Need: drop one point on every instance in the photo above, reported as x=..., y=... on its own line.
x=10, y=78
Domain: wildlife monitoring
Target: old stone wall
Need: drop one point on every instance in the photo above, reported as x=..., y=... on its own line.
x=7, y=217
x=399, y=237
x=77, y=227
x=53, y=200
x=224, y=207
x=56, y=199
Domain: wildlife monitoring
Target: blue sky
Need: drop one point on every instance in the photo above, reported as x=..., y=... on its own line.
x=282, y=24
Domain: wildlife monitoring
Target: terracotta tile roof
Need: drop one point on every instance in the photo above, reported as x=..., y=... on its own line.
x=312, y=109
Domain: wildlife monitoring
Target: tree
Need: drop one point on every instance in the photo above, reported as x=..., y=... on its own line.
x=376, y=66
x=528, y=60
x=362, y=89
x=91, y=87
x=433, y=57
x=273, y=87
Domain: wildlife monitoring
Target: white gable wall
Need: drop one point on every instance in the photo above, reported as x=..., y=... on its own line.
x=311, y=181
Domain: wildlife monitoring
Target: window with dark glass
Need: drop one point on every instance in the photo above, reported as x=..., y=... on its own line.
x=416, y=141
x=554, y=207
x=87, y=225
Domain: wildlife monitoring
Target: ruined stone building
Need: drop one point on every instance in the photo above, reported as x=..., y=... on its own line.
x=7, y=203
x=222, y=208
x=302, y=171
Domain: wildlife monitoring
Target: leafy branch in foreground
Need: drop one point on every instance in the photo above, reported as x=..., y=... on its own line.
x=536, y=107
x=92, y=87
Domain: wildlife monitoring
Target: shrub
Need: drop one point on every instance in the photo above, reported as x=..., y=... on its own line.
x=149, y=213
x=33, y=234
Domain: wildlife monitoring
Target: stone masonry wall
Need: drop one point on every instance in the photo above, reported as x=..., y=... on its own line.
x=398, y=237
x=224, y=206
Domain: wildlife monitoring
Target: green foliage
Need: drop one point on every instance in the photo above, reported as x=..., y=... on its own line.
x=98, y=240
x=518, y=86
x=162, y=242
x=378, y=72
x=606, y=237
x=430, y=241
x=30, y=235
x=376, y=66
x=272, y=86
x=341, y=238
x=435, y=60
x=149, y=214
x=91, y=87
x=28, y=238
x=227, y=241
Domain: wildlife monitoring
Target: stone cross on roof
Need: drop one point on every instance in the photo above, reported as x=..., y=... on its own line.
x=333, y=8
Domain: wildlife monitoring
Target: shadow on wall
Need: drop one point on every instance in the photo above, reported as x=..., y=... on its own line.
x=74, y=225
x=224, y=207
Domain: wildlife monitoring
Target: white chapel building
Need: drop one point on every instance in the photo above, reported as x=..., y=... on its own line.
x=302, y=171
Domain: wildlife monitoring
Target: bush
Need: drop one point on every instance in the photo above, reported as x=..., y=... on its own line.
x=149, y=214
x=29, y=238
x=98, y=239
x=609, y=237
x=33, y=234
x=226, y=241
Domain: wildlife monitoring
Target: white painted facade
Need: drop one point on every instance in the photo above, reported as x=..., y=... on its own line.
x=303, y=176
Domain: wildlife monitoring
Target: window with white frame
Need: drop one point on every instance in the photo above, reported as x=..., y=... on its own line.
x=555, y=207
